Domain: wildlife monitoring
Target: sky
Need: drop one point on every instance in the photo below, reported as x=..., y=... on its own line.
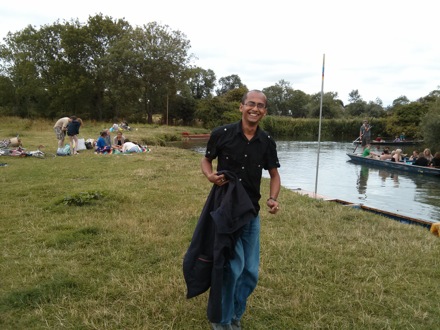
x=384, y=49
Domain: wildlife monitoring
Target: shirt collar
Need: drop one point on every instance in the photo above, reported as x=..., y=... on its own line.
x=239, y=130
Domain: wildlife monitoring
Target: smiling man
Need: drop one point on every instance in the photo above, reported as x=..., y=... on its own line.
x=228, y=232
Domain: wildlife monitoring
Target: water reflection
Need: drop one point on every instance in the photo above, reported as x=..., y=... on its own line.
x=384, y=175
x=362, y=182
x=395, y=178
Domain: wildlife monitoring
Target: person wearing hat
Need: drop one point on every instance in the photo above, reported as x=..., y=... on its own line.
x=365, y=133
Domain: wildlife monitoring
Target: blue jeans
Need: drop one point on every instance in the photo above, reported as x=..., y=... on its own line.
x=241, y=273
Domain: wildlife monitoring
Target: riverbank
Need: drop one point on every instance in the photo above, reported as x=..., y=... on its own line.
x=97, y=241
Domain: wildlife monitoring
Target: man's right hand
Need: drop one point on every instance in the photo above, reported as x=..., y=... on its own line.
x=219, y=180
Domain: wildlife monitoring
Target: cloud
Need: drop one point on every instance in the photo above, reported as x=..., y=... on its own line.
x=383, y=49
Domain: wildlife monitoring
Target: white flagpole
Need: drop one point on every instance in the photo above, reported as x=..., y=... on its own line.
x=320, y=118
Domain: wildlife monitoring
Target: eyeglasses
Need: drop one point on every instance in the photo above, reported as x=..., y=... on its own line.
x=251, y=104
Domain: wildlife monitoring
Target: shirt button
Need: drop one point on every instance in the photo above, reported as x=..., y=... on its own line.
x=245, y=155
x=242, y=167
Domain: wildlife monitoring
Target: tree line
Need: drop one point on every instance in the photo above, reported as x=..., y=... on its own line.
x=106, y=69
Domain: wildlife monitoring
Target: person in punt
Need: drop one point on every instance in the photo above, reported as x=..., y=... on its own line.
x=398, y=156
x=422, y=160
x=414, y=156
x=367, y=150
x=379, y=139
x=365, y=133
x=368, y=153
x=435, y=162
x=428, y=154
x=386, y=155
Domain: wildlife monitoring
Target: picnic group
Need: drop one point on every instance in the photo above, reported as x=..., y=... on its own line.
x=103, y=144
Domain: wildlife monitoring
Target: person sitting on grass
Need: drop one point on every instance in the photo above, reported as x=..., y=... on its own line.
x=101, y=144
x=118, y=141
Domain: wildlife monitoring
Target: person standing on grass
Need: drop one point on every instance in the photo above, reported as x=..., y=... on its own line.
x=72, y=132
x=60, y=129
x=242, y=150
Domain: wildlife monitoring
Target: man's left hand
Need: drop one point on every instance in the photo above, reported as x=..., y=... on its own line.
x=273, y=206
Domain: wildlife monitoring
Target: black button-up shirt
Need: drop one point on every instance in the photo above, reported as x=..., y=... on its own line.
x=245, y=158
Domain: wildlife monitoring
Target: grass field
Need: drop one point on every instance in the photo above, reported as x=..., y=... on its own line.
x=97, y=241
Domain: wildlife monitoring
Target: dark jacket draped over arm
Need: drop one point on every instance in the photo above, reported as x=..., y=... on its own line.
x=227, y=209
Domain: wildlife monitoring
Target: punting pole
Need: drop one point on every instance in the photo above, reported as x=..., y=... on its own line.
x=320, y=118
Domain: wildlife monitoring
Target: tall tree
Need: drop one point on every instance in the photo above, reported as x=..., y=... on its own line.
x=331, y=106
x=201, y=82
x=6, y=94
x=284, y=100
x=297, y=104
x=275, y=99
x=229, y=83
x=18, y=59
x=160, y=59
x=431, y=122
x=357, y=106
x=405, y=118
x=354, y=96
x=401, y=100
x=374, y=109
x=101, y=35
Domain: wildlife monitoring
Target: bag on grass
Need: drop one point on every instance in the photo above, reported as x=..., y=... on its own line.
x=90, y=143
x=65, y=151
x=81, y=145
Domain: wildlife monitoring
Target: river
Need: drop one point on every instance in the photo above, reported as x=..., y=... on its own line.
x=413, y=195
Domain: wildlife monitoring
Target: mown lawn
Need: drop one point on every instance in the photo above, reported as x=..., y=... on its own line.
x=97, y=241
